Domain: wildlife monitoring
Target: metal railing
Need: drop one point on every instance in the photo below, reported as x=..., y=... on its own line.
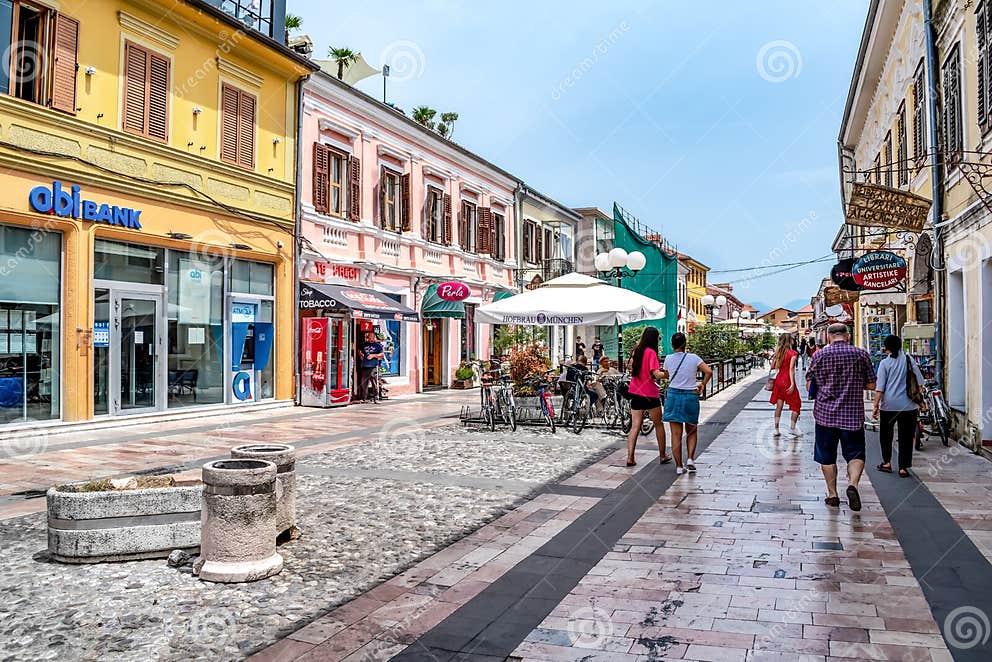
x=728, y=372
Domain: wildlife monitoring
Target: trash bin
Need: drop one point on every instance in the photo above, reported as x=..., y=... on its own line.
x=238, y=532
x=284, y=457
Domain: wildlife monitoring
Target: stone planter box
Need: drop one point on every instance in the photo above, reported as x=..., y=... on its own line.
x=122, y=525
x=462, y=384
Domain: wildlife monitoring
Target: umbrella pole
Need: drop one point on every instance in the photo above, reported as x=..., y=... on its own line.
x=619, y=347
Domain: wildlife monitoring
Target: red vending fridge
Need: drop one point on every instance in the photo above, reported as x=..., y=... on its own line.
x=326, y=361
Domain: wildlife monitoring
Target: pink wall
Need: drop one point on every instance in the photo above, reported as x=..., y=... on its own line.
x=387, y=260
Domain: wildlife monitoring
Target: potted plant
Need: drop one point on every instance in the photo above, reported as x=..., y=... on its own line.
x=464, y=376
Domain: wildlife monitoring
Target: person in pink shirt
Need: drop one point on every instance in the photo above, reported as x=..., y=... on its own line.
x=645, y=396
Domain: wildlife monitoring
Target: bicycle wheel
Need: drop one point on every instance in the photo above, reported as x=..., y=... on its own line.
x=566, y=410
x=549, y=412
x=512, y=416
x=580, y=415
x=943, y=426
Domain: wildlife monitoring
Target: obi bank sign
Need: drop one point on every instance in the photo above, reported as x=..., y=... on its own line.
x=69, y=203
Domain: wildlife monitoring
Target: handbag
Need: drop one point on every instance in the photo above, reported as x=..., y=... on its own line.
x=770, y=382
x=913, y=389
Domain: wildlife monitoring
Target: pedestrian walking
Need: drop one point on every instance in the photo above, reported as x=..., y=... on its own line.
x=784, y=391
x=842, y=374
x=898, y=395
x=597, y=350
x=645, y=396
x=682, y=400
x=580, y=348
x=803, y=352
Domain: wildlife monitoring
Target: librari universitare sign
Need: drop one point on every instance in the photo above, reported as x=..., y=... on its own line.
x=871, y=205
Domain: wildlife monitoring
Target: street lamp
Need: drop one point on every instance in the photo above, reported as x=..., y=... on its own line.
x=713, y=304
x=620, y=264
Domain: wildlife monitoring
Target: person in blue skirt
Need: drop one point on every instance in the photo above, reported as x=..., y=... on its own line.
x=682, y=400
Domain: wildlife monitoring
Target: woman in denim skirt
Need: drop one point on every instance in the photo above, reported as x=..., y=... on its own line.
x=682, y=400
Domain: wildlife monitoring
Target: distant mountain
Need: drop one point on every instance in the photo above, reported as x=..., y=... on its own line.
x=796, y=304
x=793, y=305
x=761, y=306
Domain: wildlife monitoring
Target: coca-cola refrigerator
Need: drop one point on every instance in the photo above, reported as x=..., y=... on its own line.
x=325, y=361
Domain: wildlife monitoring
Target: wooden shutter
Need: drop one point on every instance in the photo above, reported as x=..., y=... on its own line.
x=526, y=242
x=983, y=108
x=65, y=47
x=135, y=84
x=355, y=188
x=538, y=244
x=405, y=202
x=321, y=178
x=382, y=197
x=919, y=117
x=484, y=228
x=246, y=130
x=229, y=124
x=446, y=230
x=158, y=97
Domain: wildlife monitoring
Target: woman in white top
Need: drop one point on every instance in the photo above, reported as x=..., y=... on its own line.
x=682, y=399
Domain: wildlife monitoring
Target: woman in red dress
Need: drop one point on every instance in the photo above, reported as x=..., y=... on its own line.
x=784, y=390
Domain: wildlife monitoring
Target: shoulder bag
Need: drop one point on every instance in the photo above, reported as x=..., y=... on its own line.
x=913, y=389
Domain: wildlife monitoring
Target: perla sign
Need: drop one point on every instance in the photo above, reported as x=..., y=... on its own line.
x=56, y=200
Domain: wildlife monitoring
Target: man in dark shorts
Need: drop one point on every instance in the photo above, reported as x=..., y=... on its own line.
x=842, y=373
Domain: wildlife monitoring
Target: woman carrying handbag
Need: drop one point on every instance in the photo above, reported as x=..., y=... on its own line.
x=898, y=397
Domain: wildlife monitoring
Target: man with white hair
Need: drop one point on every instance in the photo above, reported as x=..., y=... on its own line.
x=842, y=373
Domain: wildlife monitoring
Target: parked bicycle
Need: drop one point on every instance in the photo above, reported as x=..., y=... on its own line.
x=544, y=392
x=936, y=415
x=487, y=395
x=506, y=405
x=577, y=401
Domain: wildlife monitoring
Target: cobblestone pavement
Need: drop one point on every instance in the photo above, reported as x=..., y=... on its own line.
x=367, y=511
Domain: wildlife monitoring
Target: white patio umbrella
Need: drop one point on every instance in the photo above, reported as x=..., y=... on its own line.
x=572, y=299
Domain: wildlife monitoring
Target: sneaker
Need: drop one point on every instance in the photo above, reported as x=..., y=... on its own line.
x=679, y=471
x=690, y=465
x=795, y=432
x=776, y=434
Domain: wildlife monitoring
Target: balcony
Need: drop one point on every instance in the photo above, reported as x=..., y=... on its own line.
x=545, y=271
x=265, y=16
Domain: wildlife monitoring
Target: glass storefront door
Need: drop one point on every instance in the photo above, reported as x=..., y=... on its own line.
x=252, y=337
x=136, y=353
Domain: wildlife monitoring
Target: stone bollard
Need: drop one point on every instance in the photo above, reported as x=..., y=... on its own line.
x=238, y=539
x=284, y=457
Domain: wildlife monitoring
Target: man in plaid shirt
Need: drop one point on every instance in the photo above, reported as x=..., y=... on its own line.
x=842, y=374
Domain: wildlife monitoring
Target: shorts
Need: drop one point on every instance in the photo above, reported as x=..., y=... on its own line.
x=682, y=406
x=642, y=402
x=852, y=444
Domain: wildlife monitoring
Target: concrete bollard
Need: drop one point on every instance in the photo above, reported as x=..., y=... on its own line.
x=238, y=539
x=284, y=457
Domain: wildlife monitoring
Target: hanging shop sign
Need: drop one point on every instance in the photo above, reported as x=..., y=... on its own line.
x=842, y=276
x=69, y=203
x=879, y=270
x=872, y=205
x=835, y=295
x=453, y=291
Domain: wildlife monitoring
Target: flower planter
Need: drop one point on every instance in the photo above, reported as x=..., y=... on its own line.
x=122, y=525
x=284, y=457
x=462, y=384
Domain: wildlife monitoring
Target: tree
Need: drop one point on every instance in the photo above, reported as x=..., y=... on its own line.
x=424, y=115
x=344, y=57
x=448, y=122
x=293, y=23
x=716, y=342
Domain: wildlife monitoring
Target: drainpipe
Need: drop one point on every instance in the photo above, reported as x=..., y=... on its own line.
x=937, y=187
x=297, y=233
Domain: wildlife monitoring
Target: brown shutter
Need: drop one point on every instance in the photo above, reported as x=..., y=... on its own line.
x=538, y=243
x=246, y=130
x=64, y=67
x=355, y=188
x=321, y=178
x=229, y=124
x=405, y=202
x=526, y=242
x=446, y=233
x=158, y=97
x=382, y=197
x=484, y=229
x=135, y=83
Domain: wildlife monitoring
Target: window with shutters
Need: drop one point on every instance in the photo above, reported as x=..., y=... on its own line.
x=549, y=243
x=952, y=123
x=237, y=126
x=983, y=29
x=330, y=168
x=888, y=159
x=389, y=200
x=40, y=49
x=532, y=242
x=434, y=215
x=919, y=116
x=146, y=92
x=467, y=229
x=902, y=150
x=499, y=236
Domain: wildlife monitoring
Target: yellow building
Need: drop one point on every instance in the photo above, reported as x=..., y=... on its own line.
x=147, y=208
x=695, y=289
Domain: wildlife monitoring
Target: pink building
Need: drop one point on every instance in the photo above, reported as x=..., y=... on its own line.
x=389, y=211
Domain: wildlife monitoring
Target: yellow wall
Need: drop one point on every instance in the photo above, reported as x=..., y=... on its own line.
x=696, y=288
x=207, y=199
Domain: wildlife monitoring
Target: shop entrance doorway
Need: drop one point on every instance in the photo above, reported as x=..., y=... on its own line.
x=432, y=331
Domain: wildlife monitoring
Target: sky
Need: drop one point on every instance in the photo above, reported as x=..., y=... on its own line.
x=713, y=123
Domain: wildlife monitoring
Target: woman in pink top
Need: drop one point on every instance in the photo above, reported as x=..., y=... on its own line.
x=644, y=393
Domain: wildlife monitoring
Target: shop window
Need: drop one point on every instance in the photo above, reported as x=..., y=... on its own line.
x=115, y=260
x=924, y=311
x=252, y=277
x=30, y=338
x=146, y=92
x=237, y=127
x=468, y=333
x=196, y=330
x=41, y=45
x=390, y=333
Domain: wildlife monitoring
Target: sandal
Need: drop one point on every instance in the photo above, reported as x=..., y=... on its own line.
x=883, y=467
x=832, y=501
x=665, y=460
x=631, y=463
x=903, y=473
x=853, y=498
